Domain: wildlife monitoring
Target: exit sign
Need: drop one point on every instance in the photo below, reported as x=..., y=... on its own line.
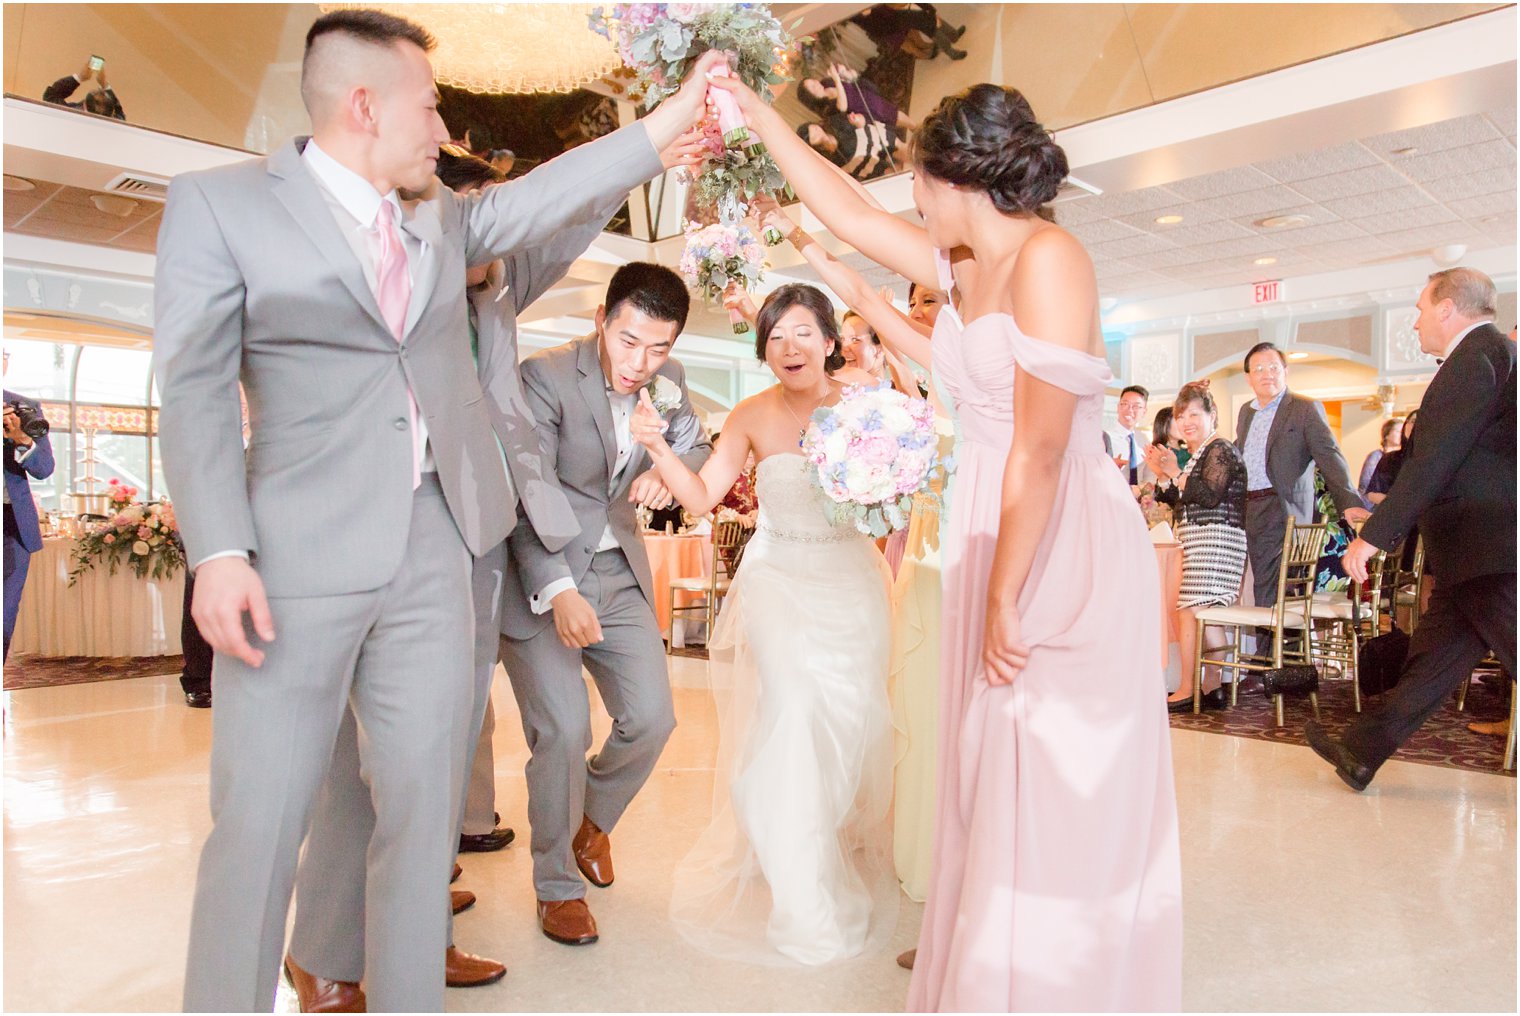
x=1267, y=292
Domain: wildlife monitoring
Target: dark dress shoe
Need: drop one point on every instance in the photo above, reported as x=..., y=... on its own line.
x=568, y=922
x=454, y=875
x=593, y=854
x=1180, y=706
x=461, y=900
x=461, y=970
x=1216, y=699
x=484, y=843
x=198, y=699
x=318, y=994
x=1348, y=767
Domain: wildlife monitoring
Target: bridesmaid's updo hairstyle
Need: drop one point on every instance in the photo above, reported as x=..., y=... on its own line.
x=987, y=138
x=797, y=294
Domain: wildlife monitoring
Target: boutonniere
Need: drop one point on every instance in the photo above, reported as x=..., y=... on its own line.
x=664, y=393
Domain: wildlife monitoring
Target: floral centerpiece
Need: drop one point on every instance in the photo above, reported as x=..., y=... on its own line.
x=143, y=536
x=872, y=453
x=718, y=254
x=1155, y=512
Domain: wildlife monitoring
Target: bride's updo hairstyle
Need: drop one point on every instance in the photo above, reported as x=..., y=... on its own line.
x=987, y=138
x=797, y=294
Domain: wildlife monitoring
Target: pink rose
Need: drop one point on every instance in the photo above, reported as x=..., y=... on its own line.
x=143, y=532
x=878, y=450
x=109, y=538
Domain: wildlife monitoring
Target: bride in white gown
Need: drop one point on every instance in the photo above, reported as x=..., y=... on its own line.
x=796, y=862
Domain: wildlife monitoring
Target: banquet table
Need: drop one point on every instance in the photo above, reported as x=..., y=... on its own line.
x=100, y=615
x=676, y=556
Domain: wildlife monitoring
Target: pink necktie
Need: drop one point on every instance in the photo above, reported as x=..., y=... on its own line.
x=393, y=290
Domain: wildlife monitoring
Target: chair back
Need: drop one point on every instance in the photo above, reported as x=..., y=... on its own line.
x=1297, y=575
x=728, y=540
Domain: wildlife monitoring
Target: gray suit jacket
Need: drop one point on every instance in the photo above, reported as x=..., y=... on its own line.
x=1300, y=439
x=256, y=282
x=567, y=392
x=511, y=286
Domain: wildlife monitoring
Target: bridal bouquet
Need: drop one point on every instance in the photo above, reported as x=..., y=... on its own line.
x=139, y=535
x=872, y=452
x=718, y=254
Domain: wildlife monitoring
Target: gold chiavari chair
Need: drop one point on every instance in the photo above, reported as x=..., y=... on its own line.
x=728, y=540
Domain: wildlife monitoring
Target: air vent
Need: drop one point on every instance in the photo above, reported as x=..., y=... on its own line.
x=139, y=185
x=1073, y=189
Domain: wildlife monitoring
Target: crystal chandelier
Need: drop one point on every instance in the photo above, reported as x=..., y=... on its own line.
x=493, y=48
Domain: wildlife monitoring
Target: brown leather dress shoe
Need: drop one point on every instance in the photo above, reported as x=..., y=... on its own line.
x=318, y=994
x=593, y=854
x=567, y=921
x=906, y=959
x=461, y=899
x=454, y=875
x=461, y=970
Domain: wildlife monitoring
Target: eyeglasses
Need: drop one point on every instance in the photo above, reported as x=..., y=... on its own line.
x=1267, y=369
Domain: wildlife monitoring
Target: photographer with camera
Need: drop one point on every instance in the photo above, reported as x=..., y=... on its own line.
x=100, y=100
x=27, y=451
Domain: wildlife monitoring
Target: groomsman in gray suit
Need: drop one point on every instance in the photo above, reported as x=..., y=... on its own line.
x=328, y=935
x=346, y=534
x=592, y=603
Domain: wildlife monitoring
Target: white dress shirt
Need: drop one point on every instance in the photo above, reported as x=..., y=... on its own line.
x=622, y=415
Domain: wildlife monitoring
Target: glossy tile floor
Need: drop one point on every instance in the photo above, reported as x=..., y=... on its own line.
x=1299, y=894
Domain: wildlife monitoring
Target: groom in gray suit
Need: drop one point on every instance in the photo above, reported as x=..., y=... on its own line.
x=346, y=534
x=592, y=603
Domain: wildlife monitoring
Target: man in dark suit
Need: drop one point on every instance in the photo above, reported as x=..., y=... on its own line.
x=24, y=455
x=1283, y=438
x=1459, y=484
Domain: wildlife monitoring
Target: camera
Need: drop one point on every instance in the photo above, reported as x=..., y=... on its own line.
x=33, y=423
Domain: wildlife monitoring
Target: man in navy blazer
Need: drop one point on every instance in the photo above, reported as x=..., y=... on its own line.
x=23, y=456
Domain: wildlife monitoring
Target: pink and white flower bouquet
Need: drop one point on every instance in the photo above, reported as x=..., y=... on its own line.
x=141, y=535
x=872, y=453
x=718, y=254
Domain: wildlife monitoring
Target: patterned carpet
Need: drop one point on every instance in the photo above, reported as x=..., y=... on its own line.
x=1444, y=740
x=51, y=671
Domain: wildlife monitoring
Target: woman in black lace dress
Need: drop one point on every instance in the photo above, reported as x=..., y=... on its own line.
x=1208, y=499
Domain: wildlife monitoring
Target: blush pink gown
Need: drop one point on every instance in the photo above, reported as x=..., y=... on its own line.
x=1056, y=881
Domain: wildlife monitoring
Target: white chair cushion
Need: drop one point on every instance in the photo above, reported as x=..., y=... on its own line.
x=1262, y=616
x=697, y=585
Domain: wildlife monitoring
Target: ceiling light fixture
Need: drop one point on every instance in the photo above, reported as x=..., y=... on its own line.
x=1282, y=221
x=1449, y=255
x=16, y=183
x=114, y=204
x=1264, y=261
x=1168, y=220
x=1298, y=356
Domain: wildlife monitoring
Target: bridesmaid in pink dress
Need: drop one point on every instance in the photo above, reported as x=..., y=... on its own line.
x=1057, y=880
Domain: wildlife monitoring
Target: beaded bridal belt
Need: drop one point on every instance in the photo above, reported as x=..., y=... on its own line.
x=833, y=536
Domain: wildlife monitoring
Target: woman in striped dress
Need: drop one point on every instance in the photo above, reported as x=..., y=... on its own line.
x=1208, y=499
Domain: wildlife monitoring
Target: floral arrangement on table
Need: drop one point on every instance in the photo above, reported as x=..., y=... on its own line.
x=718, y=254
x=141, y=535
x=872, y=452
x=1154, y=511
x=659, y=43
x=745, y=519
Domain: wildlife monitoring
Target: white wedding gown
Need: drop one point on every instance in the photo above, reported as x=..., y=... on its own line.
x=796, y=862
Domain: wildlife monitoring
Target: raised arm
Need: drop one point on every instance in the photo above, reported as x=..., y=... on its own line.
x=700, y=492
x=880, y=235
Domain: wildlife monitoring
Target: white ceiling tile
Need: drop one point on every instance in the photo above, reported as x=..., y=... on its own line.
x=1186, y=235
x=1425, y=237
x=1406, y=218
x=1434, y=137
x=1356, y=181
x=1265, y=201
x=1323, y=162
x=1484, y=205
x=1140, y=243
x=1494, y=154
x=1466, y=185
x=1314, y=213
x=1325, y=232
x=1229, y=181
x=1117, y=203
x=1239, y=247
x=1173, y=258
x=1100, y=231
x=1075, y=211
x=1380, y=202
x=1348, y=253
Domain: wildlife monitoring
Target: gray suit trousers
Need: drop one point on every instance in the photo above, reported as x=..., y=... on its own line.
x=1266, y=525
x=396, y=659
x=629, y=669
x=328, y=939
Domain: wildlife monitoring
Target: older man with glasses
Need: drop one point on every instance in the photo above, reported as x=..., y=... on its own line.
x=1283, y=438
